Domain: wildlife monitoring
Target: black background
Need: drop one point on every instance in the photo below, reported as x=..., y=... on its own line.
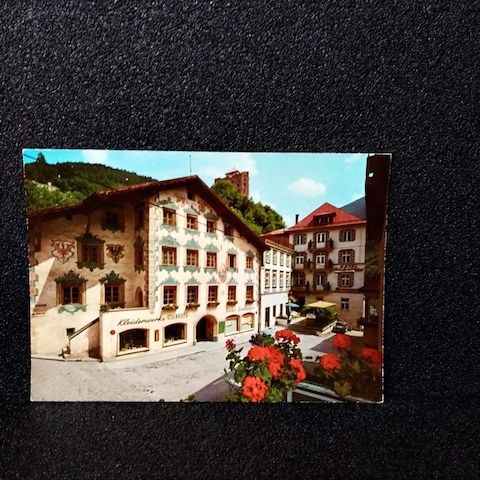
x=329, y=76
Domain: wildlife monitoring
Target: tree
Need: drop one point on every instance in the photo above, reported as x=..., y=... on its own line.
x=260, y=218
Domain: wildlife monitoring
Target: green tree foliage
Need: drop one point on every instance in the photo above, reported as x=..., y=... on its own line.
x=40, y=196
x=260, y=218
x=72, y=181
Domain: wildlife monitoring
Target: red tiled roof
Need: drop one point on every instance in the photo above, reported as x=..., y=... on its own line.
x=341, y=218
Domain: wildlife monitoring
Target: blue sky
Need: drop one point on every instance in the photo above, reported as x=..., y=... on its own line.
x=290, y=183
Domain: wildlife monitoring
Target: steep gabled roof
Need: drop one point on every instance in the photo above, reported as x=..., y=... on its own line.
x=340, y=218
x=144, y=190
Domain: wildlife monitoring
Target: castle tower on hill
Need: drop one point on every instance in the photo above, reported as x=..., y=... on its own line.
x=240, y=181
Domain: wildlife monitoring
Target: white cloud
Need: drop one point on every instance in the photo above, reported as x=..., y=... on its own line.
x=354, y=157
x=306, y=187
x=95, y=156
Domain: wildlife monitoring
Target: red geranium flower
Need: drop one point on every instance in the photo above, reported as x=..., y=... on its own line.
x=230, y=344
x=254, y=388
x=342, y=341
x=287, y=335
x=275, y=369
x=257, y=354
x=330, y=362
x=275, y=355
x=297, y=367
x=371, y=355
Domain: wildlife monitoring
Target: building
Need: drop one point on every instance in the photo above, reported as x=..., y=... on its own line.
x=275, y=277
x=329, y=260
x=142, y=268
x=240, y=181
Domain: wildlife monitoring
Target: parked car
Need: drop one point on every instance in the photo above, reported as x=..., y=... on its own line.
x=341, y=327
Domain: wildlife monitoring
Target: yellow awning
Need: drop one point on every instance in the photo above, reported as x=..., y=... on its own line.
x=321, y=304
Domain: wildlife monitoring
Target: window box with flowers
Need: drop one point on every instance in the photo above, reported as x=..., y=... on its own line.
x=169, y=306
x=213, y=304
x=105, y=307
x=249, y=300
x=192, y=305
x=231, y=302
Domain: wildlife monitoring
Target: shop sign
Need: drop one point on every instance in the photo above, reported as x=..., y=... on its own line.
x=163, y=318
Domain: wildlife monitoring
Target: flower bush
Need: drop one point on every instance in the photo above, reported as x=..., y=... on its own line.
x=349, y=372
x=271, y=368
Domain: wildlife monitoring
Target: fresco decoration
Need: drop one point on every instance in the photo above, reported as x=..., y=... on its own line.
x=115, y=251
x=222, y=273
x=112, y=278
x=62, y=250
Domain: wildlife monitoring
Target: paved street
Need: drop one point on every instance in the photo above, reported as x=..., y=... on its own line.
x=199, y=371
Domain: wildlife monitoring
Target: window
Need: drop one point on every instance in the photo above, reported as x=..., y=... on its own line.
x=281, y=280
x=228, y=230
x=299, y=280
x=132, y=339
x=211, y=226
x=287, y=281
x=169, y=295
x=175, y=333
x=282, y=259
x=267, y=278
x=344, y=303
x=249, y=263
x=70, y=331
x=112, y=293
x=90, y=251
x=274, y=258
x=288, y=260
x=212, y=294
x=192, y=222
x=112, y=220
x=70, y=289
x=299, y=259
x=267, y=256
x=169, y=217
x=347, y=235
x=192, y=294
x=249, y=293
x=345, y=279
x=232, y=261
x=139, y=217
x=274, y=279
x=319, y=279
x=232, y=324
x=138, y=253
x=190, y=195
x=346, y=256
x=71, y=294
x=299, y=239
x=192, y=258
x=320, y=259
x=113, y=289
x=169, y=255
x=211, y=260
x=232, y=293
x=321, y=237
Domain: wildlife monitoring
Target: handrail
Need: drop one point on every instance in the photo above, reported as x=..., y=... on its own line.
x=88, y=325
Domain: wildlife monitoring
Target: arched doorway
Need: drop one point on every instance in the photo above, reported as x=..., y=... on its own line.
x=205, y=331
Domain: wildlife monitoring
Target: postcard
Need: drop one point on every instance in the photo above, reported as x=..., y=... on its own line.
x=206, y=276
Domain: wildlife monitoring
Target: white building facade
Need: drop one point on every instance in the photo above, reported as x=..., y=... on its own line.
x=275, y=281
x=141, y=269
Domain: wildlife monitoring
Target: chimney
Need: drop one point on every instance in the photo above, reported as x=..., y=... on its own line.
x=296, y=218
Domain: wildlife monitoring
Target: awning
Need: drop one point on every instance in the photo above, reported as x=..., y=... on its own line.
x=321, y=304
x=292, y=305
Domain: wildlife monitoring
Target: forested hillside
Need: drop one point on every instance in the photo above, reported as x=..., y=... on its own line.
x=259, y=217
x=71, y=181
